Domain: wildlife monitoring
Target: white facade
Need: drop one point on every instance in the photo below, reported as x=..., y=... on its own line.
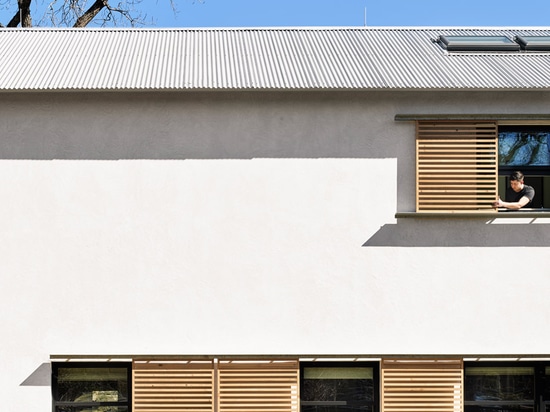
x=247, y=223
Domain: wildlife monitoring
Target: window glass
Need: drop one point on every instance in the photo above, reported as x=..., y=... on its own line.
x=524, y=146
x=90, y=388
x=534, y=43
x=478, y=43
x=506, y=389
x=338, y=388
x=546, y=389
x=91, y=409
x=527, y=149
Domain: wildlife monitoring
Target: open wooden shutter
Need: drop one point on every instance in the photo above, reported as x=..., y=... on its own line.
x=258, y=386
x=422, y=385
x=173, y=386
x=457, y=166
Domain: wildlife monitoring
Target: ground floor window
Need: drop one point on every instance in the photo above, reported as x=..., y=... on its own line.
x=91, y=387
x=514, y=387
x=338, y=387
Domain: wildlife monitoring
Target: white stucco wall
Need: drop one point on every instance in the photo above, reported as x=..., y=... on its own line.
x=228, y=224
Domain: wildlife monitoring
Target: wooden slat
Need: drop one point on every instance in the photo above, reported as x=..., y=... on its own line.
x=258, y=386
x=422, y=385
x=225, y=386
x=173, y=386
x=451, y=155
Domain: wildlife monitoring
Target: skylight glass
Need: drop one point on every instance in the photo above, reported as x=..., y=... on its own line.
x=478, y=43
x=534, y=43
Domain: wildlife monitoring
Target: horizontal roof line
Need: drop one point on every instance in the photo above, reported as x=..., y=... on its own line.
x=277, y=28
x=477, y=116
x=304, y=356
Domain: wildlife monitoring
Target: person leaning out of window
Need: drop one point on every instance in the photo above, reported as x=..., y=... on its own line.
x=518, y=194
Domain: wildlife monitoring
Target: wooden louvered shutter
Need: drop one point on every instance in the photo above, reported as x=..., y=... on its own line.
x=422, y=385
x=258, y=387
x=457, y=168
x=173, y=387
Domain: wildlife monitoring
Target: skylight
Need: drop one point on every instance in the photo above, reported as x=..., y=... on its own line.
x=534, y=43
x=478, y=43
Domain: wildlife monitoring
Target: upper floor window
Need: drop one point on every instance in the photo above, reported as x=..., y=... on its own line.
x=339, y=387
x=526, y=148
x=462, y=166
x=91, y=387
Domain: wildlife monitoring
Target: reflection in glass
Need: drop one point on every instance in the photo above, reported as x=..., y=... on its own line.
x=524, y=148
x=92, y=384
x=336, y=389
x=91, y=409
x=499, y=389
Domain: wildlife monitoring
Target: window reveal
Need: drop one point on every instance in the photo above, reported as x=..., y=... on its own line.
x=339, y=387
x=97, y=387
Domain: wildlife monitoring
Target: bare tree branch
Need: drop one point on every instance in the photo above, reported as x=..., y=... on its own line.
x=89, y=15
x=79, y=13
x=23, y=14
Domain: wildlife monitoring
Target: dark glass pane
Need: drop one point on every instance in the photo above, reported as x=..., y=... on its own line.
x=92, y=385
x=338, y=384
x=499, y=408
x=91, y=409
x=546, y=394
x=335, y=389
x=490, y=384
x=524, y=148
x=336, y=408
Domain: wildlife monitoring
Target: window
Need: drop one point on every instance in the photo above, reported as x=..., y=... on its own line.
x=91, y=387
x=507, y=387
x=526, y=148
x=335, y=387
x=534, y=43
x=462, y=166
x=478, y=43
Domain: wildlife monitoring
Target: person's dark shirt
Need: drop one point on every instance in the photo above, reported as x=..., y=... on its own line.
x=527, y=191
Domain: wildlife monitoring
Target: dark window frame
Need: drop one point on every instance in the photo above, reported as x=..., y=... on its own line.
x=127, y=403
x=534, y=174
x=375, y=377
x=541, y=395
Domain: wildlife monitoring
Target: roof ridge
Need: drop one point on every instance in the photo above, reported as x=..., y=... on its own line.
x=274, y=28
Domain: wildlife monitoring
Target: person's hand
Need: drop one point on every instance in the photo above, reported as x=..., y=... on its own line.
x=498, y=203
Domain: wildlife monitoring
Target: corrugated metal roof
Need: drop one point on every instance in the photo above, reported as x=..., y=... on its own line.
x=261, y=58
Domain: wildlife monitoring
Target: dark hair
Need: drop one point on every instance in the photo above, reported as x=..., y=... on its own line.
x=517, y=175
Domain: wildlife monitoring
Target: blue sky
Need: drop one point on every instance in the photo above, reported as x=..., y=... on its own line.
x=254, y=13
x=223, y=13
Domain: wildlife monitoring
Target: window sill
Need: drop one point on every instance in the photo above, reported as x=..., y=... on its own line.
x=522, y=213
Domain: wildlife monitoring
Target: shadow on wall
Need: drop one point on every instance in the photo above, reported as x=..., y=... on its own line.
x=179, y=126
x=470, y=232
x=40, y=377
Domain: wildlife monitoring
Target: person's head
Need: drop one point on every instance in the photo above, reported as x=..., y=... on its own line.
x=516, y=181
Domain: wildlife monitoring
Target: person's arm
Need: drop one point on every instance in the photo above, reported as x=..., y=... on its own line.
x=512, y=205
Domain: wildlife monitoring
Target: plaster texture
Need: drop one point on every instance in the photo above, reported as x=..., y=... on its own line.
x=246, y=223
